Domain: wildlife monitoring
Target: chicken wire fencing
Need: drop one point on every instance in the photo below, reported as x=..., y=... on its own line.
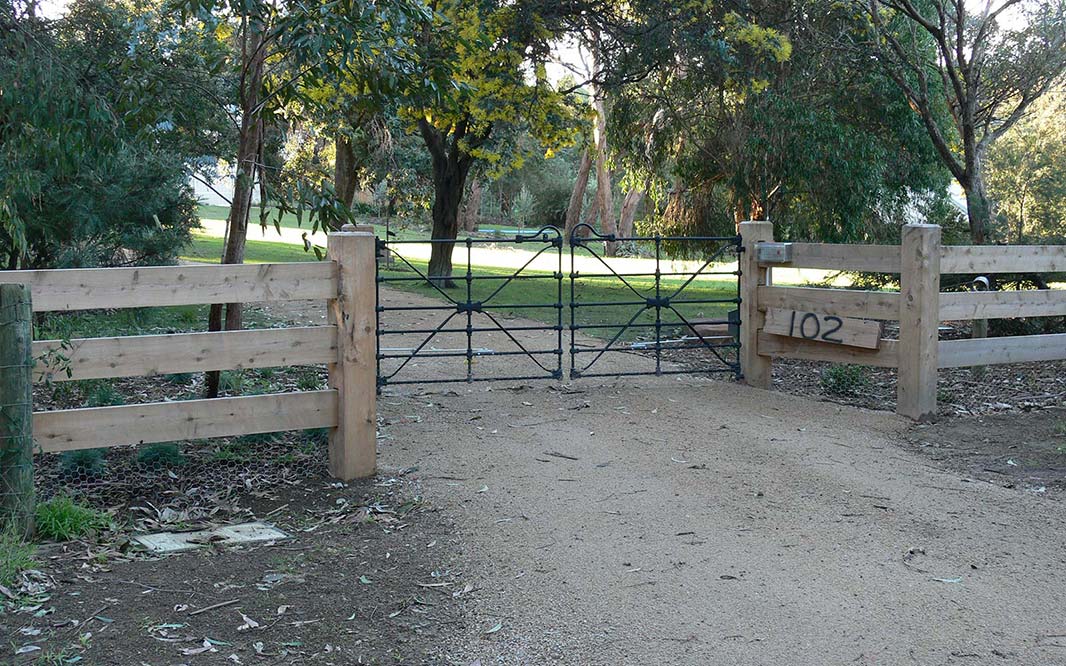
x=189, y=480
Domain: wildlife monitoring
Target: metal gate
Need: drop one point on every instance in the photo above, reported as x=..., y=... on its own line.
x=466, y=330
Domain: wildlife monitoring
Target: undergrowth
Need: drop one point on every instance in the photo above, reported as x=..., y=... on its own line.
x=63, y=519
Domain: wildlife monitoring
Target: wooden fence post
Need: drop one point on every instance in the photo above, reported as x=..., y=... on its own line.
x=756, y=368
x=16, y=410
x=919, y=319
x=353, y=443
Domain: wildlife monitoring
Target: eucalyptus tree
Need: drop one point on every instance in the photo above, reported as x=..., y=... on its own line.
x=790, y=124
x=985, y=63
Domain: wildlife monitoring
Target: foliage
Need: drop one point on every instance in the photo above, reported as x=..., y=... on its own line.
x=62, y=519
x=16, y=556
x=843, y=379
x=87, y=463
x=1025, y=174
x=971, y=72
x=165, y=455
x=776, y=139
x=92, y=154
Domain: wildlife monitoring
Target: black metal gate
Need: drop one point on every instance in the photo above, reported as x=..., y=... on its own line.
x=464, y=331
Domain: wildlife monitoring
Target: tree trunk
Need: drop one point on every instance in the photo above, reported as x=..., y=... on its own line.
x=447, y=198
x=469, y=217
x=978, y=207
x=577, y=196
x=608, y=225
x=344, y=171
x=243, y=187
x=629, y=212
x=451, y=164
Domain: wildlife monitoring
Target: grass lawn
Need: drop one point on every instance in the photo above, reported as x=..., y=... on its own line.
x=535, y=297
x=208, y=249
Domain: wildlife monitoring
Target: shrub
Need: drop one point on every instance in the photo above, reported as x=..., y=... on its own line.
x=62, y=519
x=103, y=394
x=161, y=455
x=842, y=379
x=230, y=382
x=89, y=463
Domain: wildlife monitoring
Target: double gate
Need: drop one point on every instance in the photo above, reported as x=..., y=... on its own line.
x=537, y=305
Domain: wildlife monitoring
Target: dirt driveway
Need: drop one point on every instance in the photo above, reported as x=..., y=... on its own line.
x=690, y=521
x=647, y=520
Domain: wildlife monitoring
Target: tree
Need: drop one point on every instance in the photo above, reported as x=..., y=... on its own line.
x=986, y=67
x=1025, y=173
x=769, y=135
x=484, y=84
x=282, y=52
x=94, y=145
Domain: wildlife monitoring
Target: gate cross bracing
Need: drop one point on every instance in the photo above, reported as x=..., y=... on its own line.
x=517, y=317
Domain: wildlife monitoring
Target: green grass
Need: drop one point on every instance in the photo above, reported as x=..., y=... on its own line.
x=532, y=292
x=208, y=249
x=62, y=519
x=535, y=299
x=133, y=321
x=15, y=556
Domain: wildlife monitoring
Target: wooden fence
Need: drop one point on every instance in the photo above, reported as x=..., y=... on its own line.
x=347, y=344
x=918, y=306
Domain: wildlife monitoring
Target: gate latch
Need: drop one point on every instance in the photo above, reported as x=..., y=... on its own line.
x=774, y=253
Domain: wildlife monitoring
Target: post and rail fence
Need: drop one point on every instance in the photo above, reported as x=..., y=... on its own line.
x=347, y=345
x=827, y=324
x=822, y=324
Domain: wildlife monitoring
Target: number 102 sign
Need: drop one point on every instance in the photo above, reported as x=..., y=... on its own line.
x=818, y=327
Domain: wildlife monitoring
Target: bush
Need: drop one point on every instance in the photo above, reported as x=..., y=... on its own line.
x=844, y=380
x=62, y=519
x=103, y=394
x=161, y=456
x=86, y=463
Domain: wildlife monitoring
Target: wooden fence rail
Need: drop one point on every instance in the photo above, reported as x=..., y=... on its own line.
x=919, y=307
x=347, y=345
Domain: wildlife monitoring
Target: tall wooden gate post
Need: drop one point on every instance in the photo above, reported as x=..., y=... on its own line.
x=353, y=443
x=756, y=368
x=919, y=319
x=16, y=410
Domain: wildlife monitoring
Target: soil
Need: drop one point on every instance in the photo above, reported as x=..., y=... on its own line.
x=368, y=578
x=642, y=520
x=1025, y=450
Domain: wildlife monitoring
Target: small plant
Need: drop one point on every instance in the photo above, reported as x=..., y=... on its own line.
x=161, y=456
x=62, y=519
x=230, y=382
x=316, y=437
x=844, y=380
x=179, y=379
x=87, y=463
x=307, y=380
x=15, y=556
x=103, y=394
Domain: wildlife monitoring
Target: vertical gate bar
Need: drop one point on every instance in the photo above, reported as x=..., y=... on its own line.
x=559, y=310
x=469, y=312
x=573, y=310
x=658, y=307
x=738, y=372
x=382, y=247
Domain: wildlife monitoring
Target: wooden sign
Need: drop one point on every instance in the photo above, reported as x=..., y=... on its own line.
x=820, y=327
